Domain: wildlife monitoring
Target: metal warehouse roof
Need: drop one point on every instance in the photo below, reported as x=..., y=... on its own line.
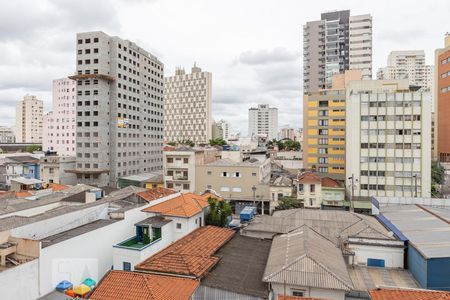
x=426, y=228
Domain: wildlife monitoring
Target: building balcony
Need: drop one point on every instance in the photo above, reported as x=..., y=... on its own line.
x=135, y=243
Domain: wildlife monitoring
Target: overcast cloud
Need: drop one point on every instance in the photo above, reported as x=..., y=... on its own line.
x=252, y=47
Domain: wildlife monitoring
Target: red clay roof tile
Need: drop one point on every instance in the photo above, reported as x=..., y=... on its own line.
x=155, y=193
x=186, y=205
x=407, y=294
x=131, y=285
x=192, y=255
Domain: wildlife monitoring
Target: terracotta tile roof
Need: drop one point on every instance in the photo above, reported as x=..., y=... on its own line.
x=186, y=205
x=407, y=294
x=131, y=285
x=23, y=194
x=280, y=297
x=155, y=193
x=58, y=187
x=209, y=194
x=309, y=177
x=190, y=256
x=329, y=182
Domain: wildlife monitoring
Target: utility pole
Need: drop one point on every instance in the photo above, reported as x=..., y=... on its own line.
x=415, y=185
x=254, y=196
x=352, y=178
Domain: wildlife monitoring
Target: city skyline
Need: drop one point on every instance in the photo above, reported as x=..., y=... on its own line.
x=261, y=64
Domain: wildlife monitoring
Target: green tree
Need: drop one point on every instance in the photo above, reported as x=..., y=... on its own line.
x=219, y=211
x=32, y=148
x=217, y=142
x=172, y=144
x=288, y=203
x=187, y=143
x=437, y=178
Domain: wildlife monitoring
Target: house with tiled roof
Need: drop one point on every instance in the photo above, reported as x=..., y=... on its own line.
x=317, y=192
x=169, y=218
x=122, y=285
x=190, y=257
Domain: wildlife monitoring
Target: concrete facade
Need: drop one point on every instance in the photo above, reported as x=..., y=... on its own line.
x=188, y=111
x=119, y=109
x=388, y=138
x=7, y=135
x=263, y=121
x=53, y=169
x=221, y=129
x=411, y=65
x=29, y=113
x=59, y=124
x=333, y=44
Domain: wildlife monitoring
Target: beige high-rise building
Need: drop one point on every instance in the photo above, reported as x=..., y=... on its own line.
x=29, y=120
x=324, y=127
x=188, y=106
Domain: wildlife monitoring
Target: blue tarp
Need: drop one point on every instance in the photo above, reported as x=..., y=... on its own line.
x=64, y=285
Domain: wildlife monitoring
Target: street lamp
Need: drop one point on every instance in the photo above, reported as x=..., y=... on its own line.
x=353, y=180
x=415, y=185
x=254, y=196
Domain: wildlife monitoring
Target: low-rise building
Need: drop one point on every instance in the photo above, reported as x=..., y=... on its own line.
x=280, y=187
x=316, y=192
x=241, y=182
x=14, y=166
x=148, y=180
x=53, y=169
x=180, y=166
x=7, y=135
x=169, y=218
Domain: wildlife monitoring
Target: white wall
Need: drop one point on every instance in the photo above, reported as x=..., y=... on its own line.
x=20, y=282
x=279, y=289
x=393, y=257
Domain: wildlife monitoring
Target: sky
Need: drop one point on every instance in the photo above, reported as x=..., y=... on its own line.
x=253, y=48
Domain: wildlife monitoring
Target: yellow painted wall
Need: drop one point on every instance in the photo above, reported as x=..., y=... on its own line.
x=333, y=171
x=312, y=103
x=312, y=150
x=312, y=113
x=150, y=185
x=312, y=160
x=312, y=141
x=312, y=122
x=312, y=131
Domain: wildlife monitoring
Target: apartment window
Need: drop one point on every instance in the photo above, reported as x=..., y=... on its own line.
x=126, y=266
x=178, y=225
x=237, y=174
x=224, y=189
x=95, y=40
x=323, y=169
x=236, y=189
x=224, y=174
x=95, y=50
x=170, y=160
x=185, y=160
x=312, y=188
x=80, y=42
x=87, y=41
x=253, y=174
x=298, y=293
x=209, y=172
x=300, y=188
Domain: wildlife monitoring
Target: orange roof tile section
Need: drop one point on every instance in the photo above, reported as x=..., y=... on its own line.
x=190, y=256
x=58, y=187
x=280, y=297
x=130, y=285
x=309, y=177
x=185, y=205
x=404, y=294
x=23, y=194
x=155, y=193
x=329, y=182
x=208, y=195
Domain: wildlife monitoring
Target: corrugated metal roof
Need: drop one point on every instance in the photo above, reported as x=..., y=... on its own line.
x=305, y=258
x=428, y=231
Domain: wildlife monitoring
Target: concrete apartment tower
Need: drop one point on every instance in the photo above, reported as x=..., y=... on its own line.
x=119, y=109
x=59, y=125
x=263, y=121
x=442, y=99
x=7, y=135
x=221, y=129
x=29, y=113
x=409, y=64
x=188, y=106
x=324, y=127
x=333, y=44
x=388, y=139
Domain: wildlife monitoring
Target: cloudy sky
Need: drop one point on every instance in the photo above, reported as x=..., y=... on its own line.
x=252, y=47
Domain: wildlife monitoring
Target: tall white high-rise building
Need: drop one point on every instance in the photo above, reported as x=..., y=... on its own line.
x=222, y=128
x=263, y=121
x=335, y=43
x=388, y=139
x=188, y=106
x=29, y=113
x=59, y=124
x=120, y=105
x=411, y=65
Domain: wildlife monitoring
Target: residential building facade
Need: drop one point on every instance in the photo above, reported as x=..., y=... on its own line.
x=120, y=105
x=59, y=124
x=7, y=135
x=388, y=136
x=221, y=129
x=29, y=113
x=333, y=44
x=408, y=64
x=180, y=166
x=324, y=127
x=287, y=133
x=442, y=98
x=263, y=121
x=53, y=169
x=188, y=110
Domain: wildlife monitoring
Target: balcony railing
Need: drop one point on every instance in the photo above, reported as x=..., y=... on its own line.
x=134, y=244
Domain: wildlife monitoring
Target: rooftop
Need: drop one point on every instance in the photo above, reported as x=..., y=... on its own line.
x=239, y=272
x=367, y=278
x=308, y=177
x=191, y=255
x=155, y=221
x=184, y=205
x=281, y=297
x=232, y=163
x=145, y=177
x=132, y=285
x=155, y=193
x=407, y=294
x=332, y=224
x=26, y=181
x=430, y=231
x=306, y=258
